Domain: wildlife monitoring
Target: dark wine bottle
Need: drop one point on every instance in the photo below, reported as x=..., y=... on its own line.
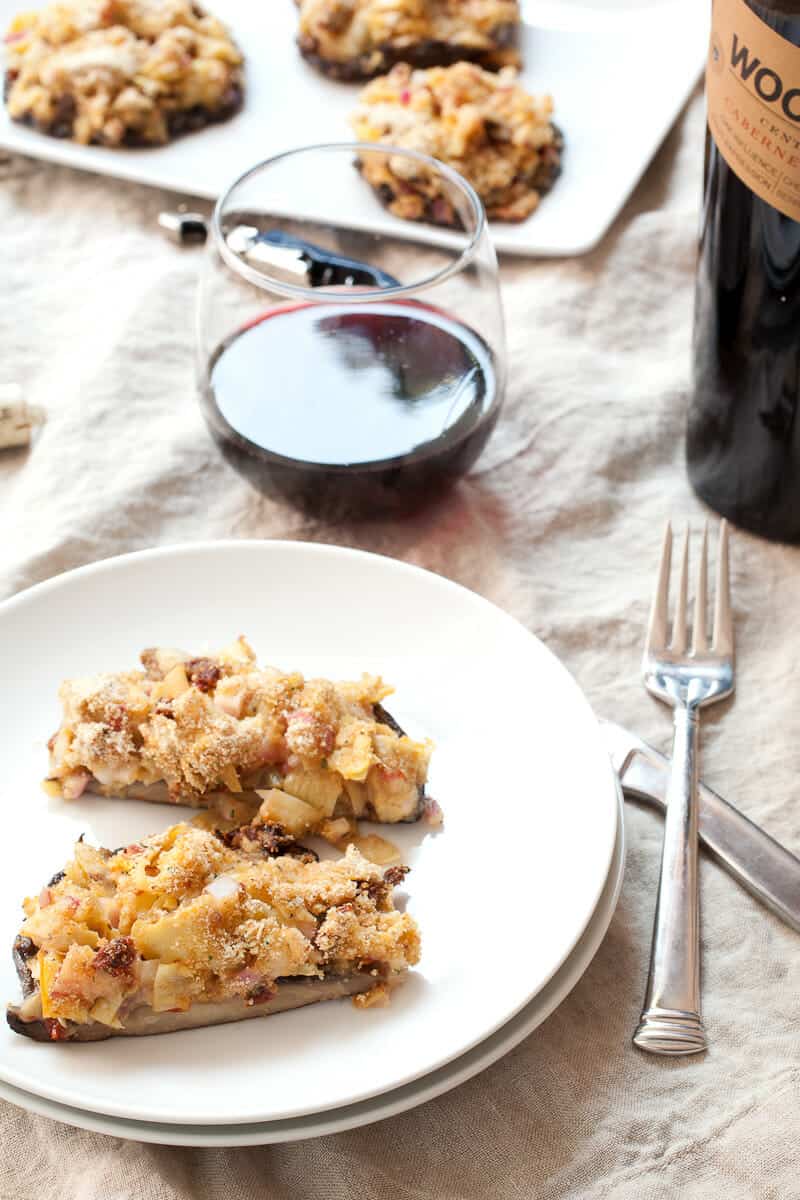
x=743, y=437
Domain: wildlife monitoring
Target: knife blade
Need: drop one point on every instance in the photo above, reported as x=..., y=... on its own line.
x=763, y=866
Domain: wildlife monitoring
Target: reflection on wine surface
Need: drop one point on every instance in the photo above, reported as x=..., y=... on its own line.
x=379, y=404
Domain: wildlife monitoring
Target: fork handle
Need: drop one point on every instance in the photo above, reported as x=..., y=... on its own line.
x=670, y=1022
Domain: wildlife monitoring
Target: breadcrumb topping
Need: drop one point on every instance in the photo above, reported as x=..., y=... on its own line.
x=486, y=126
x=121, y=71
x=185, y=917
x=199, y=727
x=348, y=30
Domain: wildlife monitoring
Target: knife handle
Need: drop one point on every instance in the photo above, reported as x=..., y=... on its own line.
x=765, y=868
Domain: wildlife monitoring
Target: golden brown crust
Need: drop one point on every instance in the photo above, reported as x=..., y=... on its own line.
x=185, y=917
x=358, y=39
x=488, y=127
x=222, y=724
x=121, y=72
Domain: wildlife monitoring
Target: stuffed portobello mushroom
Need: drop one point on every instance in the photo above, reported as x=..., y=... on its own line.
x=221, y=732
x=359, y=39
x=194, y=927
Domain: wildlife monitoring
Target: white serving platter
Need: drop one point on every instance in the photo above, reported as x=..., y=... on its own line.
x=619, y=73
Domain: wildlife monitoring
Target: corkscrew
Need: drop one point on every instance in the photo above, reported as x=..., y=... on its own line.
x=288, y=257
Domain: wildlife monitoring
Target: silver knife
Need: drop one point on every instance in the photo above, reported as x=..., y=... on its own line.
x=768, y=870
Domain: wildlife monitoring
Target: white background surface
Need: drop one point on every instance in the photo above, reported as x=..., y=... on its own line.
x=499, y=913
x=617, y=71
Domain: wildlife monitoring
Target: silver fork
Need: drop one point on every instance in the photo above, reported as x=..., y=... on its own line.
x=688, y=680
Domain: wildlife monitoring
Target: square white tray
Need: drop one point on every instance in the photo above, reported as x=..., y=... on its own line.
x=619, y=73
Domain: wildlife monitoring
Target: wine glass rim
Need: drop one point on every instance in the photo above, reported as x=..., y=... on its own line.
x=267, y=283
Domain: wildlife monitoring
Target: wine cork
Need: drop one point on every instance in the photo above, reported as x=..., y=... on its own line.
x=18, y=419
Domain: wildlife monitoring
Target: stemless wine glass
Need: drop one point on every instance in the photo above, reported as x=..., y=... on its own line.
x=349, y=361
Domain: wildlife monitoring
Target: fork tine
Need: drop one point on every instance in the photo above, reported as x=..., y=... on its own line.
x=700, y=640
x=678, y=645
x=657, y=626
x=723, y=617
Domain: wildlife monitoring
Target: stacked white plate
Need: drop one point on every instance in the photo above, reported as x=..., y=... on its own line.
x=513, y=894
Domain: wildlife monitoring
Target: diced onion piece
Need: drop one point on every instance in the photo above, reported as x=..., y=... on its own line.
x=117, y=776
x=48, y=970
x=174, y=684
x=109, y=907
x=61, y=745
x=164, y=658
x=238, y=654
x=222, y=888
x=357, y=795
x=147, y=977
x=292, y=813
x=377, y=849
x=354, y=760
x=88, y=864
x=170, y=938
x=172, y=988
x=231, y=779
x=392, y=795
x=338, y=831
x=319, y=788
x=231, y=703
x=105, y=1011
x=74, y=784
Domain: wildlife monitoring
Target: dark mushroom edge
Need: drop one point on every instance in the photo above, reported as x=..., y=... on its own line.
x=438, y=211
x=427, y=53
x=178, y=123
x=287, y=994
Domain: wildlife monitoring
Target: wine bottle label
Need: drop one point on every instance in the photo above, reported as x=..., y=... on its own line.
x=753, y=94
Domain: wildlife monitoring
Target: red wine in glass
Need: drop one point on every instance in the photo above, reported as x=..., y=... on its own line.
x=357, y=408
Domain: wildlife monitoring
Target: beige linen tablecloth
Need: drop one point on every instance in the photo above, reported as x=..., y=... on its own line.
x=560, y=524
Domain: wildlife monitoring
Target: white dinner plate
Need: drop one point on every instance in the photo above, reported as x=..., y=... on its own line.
x=619, y=72
x=502, y=893
x=379, y=1108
